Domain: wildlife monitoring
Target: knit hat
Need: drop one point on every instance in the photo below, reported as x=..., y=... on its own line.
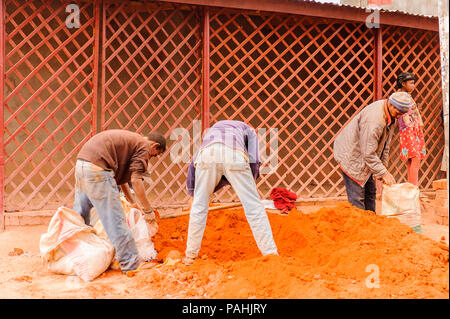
x=402, y=101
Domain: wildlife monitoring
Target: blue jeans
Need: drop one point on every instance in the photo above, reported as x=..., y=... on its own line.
x=213, y=162
x=97, y=188
x=362, y=197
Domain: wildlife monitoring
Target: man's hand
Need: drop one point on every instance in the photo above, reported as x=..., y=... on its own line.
x=388, y=179
x=152, y=215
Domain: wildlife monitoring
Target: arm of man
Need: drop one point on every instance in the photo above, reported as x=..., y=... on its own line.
x=387, y=149
x=369, y=137
x=138, y=166
x=127, y=192
x=387, y=178
x=139, y=189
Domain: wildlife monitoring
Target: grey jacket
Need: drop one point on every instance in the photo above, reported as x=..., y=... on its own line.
x=362, y=147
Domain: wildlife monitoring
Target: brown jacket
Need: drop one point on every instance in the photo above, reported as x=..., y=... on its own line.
x=125, y=153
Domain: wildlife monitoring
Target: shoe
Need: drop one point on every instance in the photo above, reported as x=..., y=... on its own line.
x=187, y=261
x=146, y=265
x=142, y=266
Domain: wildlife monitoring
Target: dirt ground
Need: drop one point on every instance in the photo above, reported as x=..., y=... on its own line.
x=323, y=254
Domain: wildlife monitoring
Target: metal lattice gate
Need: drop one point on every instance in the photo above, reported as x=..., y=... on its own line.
x=48, y=101
x=306, y=77
x=416, y=51
x=151, y=81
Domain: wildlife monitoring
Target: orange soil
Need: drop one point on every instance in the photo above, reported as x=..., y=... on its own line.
x=328, y=254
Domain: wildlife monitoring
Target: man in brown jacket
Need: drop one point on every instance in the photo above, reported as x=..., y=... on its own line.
x=362, y=148
x=110, y=159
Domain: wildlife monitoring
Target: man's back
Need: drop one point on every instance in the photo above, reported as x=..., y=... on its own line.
x=366, y=130
x=119, y=150
x=235, y=134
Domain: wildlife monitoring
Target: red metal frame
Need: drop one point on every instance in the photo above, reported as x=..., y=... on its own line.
x=97, y=57
x=306, y=75
x=205, y=69
x=378, y=58
x=320, y=10
x=2, y=103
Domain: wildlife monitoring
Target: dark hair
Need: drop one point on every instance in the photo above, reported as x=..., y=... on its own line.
x=158, y=138
x=403, y=77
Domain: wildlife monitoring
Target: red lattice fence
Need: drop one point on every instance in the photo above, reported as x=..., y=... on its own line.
x=416, y=51
x=48, y=100
x=306, y=77
x=151, y=80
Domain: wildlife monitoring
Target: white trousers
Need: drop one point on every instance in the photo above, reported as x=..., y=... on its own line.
x=212, y=162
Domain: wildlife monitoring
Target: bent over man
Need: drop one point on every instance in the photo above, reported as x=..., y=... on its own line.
x=110, y=159
x=229, y=154
x=362, y=148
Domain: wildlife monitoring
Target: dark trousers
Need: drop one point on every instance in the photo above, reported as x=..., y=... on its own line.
x=362, y=197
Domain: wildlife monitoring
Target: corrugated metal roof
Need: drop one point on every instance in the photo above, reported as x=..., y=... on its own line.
x=339, y=4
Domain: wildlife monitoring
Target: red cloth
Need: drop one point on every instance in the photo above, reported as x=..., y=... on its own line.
x=283, y=199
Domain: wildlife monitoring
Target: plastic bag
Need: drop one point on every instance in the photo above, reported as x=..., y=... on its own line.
x=71, y=247
x=141, y=231
x=142, y=234
x=402, y=202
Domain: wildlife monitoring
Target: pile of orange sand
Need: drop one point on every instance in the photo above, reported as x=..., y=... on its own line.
x=339, y=252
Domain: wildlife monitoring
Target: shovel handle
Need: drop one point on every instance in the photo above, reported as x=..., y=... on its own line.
x=225, y=206
x=219, y=207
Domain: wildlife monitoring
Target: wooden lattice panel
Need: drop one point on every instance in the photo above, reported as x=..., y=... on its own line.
x=416, y=51
x=305, y=77
x=48, y=100
x=151, y=80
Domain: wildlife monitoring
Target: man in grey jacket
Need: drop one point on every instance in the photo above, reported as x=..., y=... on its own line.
x=362, y=148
